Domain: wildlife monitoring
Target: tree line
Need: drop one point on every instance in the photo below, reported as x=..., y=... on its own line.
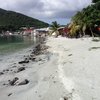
x=86, y=21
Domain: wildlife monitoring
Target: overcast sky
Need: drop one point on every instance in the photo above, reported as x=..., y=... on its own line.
x=46, y=10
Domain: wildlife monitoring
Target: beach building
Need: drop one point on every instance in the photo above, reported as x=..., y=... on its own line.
x=41, y=31
x=63, y=31
x=7, y=33
x=27, y=31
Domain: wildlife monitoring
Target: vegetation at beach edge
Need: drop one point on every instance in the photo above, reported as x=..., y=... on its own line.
x=86, y=21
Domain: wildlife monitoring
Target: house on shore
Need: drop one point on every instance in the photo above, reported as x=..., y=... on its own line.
x=98, y=30
x=41, y=31
x=63, y=31
x=27, y=31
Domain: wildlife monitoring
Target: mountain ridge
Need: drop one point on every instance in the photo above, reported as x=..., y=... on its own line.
x=16, y=20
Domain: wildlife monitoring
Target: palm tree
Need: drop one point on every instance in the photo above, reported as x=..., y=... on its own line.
x=74, y=30
x=54, y=27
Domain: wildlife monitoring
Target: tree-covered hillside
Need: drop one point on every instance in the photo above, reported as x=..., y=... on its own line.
x=13, y=20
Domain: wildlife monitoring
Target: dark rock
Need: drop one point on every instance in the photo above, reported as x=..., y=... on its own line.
x=14, y=71
x=37, y=53
x=65, y=98
x=70, y=55
x=31, y=55
x=21, y=62
x=1, y=73
x=21, y=69
x=12, y=83
x=33, y=59
x=24, y=82
x=38, y=47
x=32, y=52
x=4, y=84
x=26, y=59
x=9, y=94
x=4, y=70
x=24, y=56
x=40, y=59
x=44, y=47
x=30, y=58
x=37, y=50
x=14, y=66
x=7, y=70
x=96, y=40
x=94, y=48
x=54, y=81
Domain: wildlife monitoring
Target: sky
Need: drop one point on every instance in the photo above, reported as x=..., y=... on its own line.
x=46, y=10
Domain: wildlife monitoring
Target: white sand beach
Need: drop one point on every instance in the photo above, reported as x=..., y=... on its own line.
x=70, y=68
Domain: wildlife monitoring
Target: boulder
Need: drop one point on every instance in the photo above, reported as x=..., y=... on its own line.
x=33, y=59
x=25, y=61
x=1, y=73
x=12, y=83
x=21, y=69
x=9, y=94
x=24, y=82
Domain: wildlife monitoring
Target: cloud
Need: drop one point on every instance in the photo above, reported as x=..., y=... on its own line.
x=45, y=8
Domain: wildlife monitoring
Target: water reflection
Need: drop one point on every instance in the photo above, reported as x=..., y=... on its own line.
x=12, y=43
x=10, y=39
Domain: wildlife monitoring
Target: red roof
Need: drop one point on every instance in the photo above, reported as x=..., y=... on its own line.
x=98, y=28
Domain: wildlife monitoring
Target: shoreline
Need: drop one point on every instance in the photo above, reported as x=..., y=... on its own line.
x=35, y=81
x=55, y=72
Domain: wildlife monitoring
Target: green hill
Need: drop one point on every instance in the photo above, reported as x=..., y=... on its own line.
x=13, y=20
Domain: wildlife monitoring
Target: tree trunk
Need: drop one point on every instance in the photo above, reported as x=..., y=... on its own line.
x=92, y=32
x=84, y=29
x=80, y=34
x=84, y=33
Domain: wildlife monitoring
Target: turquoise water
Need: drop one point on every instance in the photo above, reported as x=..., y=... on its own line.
x=13, y=43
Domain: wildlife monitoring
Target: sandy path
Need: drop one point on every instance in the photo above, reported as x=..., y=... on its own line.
x=78, y=66
x=69, y=69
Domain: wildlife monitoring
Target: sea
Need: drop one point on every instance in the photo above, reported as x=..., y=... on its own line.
x=13, y=43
